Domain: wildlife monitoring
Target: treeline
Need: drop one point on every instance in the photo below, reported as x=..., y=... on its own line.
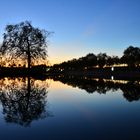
x=131, y=58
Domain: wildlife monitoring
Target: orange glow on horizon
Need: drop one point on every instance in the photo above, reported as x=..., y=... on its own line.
x=58, y=60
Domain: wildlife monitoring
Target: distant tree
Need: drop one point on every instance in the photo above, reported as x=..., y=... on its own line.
x=112, y=60
x=116, y=60
x=109, y=61
x=91, y=60
x=101, y=59
x=131, y=56
x=25, y=41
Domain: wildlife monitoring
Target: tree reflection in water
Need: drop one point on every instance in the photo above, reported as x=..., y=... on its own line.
x=23, y=100
x=130, y=89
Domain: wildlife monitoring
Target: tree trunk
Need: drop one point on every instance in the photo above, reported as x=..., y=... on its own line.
x=29, y=58
x=29, y=61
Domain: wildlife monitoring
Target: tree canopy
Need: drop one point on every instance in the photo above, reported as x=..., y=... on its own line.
x=24, y=41
x=131, y=56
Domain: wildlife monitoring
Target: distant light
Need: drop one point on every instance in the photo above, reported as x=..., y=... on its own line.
x=112, y=77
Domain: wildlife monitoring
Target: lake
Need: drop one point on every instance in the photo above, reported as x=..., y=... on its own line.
x=69, y=109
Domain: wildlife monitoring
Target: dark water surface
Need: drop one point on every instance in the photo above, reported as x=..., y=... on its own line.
x=73, y=109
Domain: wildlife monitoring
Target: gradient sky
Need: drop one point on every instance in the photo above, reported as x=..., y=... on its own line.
x=79, y=26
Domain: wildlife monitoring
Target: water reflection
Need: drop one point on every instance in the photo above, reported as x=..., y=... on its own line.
x=130, y=89
x=23, y=100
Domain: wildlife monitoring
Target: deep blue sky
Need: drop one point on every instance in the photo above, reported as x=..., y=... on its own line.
x=79, y=26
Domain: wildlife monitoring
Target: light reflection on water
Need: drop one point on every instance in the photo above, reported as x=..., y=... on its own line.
x=74, y=108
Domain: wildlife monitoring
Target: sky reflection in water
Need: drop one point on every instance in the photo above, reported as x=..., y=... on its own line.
x=70, y=109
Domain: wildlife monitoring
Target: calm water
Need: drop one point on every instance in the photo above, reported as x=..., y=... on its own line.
x=75, y=109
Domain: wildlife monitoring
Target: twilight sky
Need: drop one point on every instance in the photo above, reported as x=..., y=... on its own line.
x=79, y=26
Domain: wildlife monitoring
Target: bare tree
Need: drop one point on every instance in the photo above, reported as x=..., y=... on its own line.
x=25, y=41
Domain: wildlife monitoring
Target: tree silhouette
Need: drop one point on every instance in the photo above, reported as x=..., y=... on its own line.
x=131, y=56
x=25, y=41
x=90, y=60
x=112, y=60
x=101, y=59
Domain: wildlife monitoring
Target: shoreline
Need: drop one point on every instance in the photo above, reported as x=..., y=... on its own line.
x=118, y=73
